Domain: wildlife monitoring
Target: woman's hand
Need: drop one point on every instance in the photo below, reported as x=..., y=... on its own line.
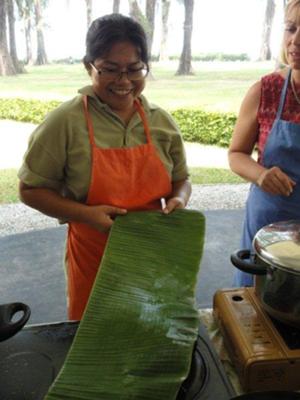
x=54, y=205
x=274, y=181
x=181, y=191
x=103, y=216
x=173, y=203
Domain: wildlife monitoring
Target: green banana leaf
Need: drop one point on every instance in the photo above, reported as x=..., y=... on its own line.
x=136, y=338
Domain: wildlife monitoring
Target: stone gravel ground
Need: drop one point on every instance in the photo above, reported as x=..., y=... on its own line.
x=18, y=218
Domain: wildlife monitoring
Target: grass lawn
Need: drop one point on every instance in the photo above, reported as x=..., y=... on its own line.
x=8, y=186
x=215, y=86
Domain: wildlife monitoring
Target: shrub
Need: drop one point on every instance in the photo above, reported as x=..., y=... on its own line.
x=24, y=110
x=205, y=127
x=215, y=57
x=196, y=125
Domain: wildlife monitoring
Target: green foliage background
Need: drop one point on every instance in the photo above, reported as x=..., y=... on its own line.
x=196, y=125
x=205, y=127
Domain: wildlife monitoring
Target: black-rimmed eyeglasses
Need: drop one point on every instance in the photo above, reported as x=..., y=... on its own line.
x=133, y=74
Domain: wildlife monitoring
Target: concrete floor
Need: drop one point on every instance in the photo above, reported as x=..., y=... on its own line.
x=32, y=272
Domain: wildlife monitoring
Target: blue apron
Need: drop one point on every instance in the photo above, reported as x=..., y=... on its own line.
x=282, y=149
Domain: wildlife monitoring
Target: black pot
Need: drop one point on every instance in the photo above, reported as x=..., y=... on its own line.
x=276, y=262
x=8, y=327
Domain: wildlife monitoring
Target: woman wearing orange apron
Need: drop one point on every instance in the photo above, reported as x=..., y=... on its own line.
x=130, y=178
x=122, y=177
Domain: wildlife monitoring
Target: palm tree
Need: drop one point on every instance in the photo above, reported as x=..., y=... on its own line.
x=6, y=63
x=12, y=37
x=265, y=51
x=41, y=52
x=147, y=21
x=116, y=6
x=26, y=11
x=89, y=12
x=136, y=13
x=165, y=8
x=185, y=62
x=150, y=15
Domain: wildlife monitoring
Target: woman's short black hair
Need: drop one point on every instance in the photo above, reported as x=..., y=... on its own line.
x=110, y=29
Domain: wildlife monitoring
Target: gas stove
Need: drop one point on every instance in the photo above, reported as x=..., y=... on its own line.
x=30, y=361
x=265, y=352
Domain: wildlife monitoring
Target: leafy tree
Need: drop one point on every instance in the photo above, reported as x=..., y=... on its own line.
x=265, y=51
x=185, y=62
x=165, y=8
x=6, y=63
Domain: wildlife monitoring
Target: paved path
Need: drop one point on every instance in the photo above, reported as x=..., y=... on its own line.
x=13, y=142
x=14, y=138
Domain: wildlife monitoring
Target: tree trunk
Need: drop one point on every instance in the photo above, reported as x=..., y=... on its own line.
x=89, y=12
x=165, y=5
x=185, y=62
x=150, y=15
x=29, y=54
x=12, y=37
x=6, y=64
x=116, y=6
x=136, y=13
x=41, y=52
x=25, y=8
x=265, y=51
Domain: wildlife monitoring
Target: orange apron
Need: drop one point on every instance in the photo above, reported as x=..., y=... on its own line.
x=133, y=178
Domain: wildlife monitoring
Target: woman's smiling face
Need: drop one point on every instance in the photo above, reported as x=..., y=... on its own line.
x=292, y=37
x=118, y=92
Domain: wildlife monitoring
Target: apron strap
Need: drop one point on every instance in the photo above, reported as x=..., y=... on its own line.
x=283, y=94
x=88, y=120
x=142, y=114
x=139, y=108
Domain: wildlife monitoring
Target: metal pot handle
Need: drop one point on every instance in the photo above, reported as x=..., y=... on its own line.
x=9, y=328
x=247, y=262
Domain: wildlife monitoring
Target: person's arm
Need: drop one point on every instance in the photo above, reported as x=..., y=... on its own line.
x=181, y=192
x=51, y=203
x=272, y=180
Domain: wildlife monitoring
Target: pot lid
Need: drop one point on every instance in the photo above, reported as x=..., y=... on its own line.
x=279, y=244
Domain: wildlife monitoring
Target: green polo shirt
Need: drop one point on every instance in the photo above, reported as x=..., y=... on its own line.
x=59, y=152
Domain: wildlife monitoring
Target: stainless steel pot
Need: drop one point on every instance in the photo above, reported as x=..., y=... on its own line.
x=276, y=262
